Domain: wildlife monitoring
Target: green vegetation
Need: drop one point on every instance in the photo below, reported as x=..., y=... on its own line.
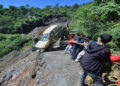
x=13, y=18
x=98, y=17
x=95, y=18
x=12, y=42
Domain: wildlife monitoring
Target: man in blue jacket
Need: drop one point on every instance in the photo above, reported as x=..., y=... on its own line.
x=92, y=60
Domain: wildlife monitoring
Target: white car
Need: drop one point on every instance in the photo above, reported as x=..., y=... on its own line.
x=50, y=36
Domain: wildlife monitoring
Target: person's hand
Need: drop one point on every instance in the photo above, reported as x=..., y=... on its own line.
x=73, y=41
x=85, y=44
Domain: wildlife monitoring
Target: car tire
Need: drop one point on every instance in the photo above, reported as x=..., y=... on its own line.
x=50, y=48
x=33, y=49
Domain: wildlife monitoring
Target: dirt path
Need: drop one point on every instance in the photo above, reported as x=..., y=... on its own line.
x=58, y=70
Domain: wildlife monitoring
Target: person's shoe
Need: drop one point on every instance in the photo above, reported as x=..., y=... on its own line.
x=76, y=60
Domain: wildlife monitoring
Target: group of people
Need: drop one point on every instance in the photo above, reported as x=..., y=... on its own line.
x=77, y=45
x=91, y=55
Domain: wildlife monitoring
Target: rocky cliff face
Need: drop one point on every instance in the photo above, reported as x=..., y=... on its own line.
x=22, y=72
x=43, y=22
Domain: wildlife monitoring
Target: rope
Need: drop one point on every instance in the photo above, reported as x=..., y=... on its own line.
x=111, y=79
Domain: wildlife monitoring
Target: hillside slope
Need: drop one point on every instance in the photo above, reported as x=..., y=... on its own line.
x=98, y=18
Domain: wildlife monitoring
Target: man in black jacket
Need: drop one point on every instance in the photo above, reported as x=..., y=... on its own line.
x=92, y=61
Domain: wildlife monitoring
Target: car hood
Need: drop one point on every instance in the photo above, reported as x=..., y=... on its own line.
x=42, y=44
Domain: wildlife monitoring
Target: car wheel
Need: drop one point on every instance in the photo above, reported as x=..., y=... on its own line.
x=50, y=47
x=33, y=49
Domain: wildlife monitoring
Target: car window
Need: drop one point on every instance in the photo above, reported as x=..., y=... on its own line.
x=55, y=31
x=44, y=37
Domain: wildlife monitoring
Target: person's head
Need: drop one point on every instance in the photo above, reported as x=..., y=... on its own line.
x=88, y=38
x=72, y=36
x=67, y=25
x=105, y=38
x=77, y=34
x=82, y=36
x=85, y=39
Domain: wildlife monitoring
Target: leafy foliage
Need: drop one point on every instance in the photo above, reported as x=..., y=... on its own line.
x=13, y=18
x=97, y=18
x=11, y=42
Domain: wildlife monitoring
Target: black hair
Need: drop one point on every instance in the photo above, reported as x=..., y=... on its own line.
x=105, y=38
x=82, y=35
x=72, y=36
x=89, y=36
x=67, y=25
x=77, y=34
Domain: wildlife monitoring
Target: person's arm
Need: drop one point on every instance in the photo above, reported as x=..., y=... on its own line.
x=65, y=41
x=71, y=41
x=106, y=55
x=84, y=44
x=114, y=58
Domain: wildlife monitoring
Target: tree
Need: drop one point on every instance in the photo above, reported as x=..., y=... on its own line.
x=56, y=6
x=1, y=6
x=12, y=8
x=23, y=10
x=48, y=7
x=75, y=6
x=1, y=9
x=117, y=1
x=13, y=11
x=27, y=5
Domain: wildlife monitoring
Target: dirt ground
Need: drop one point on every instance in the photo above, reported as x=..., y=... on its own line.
x=54, y=68
x=59, y=70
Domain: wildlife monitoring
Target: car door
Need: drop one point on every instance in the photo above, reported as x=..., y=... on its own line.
x=58, y=32
x=52, y=36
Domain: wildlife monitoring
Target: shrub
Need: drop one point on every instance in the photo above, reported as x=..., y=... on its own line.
x=98, y=19
x=12, y=42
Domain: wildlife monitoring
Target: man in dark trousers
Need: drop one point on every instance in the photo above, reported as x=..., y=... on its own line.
x=74, y=46
x=87, y=41
x=92, y=61
x=79, y=47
